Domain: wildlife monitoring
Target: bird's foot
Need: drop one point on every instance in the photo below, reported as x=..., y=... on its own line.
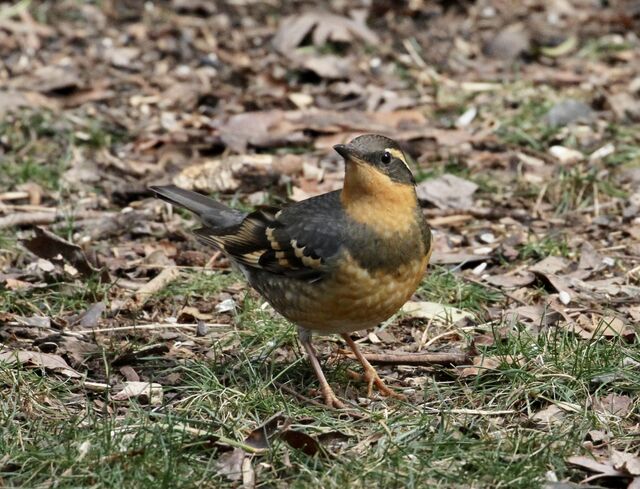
x=373, y=379
x=330, y=398
x=370, y=375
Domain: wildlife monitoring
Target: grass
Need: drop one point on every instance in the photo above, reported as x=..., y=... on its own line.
x=45, y=421
x=461, y=432
x=55, y=298
x=526, y=127
x=537, y=249
x=478, y=431
x=38, y=146
x=442, y=285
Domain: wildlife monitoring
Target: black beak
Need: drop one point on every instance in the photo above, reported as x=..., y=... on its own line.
x=347, y=151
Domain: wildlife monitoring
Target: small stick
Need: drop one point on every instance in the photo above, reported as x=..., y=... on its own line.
x=148, y=326
x=415, y=359
x=159, y=282
x=480, y=213
x=480, y=412
x=30, y=218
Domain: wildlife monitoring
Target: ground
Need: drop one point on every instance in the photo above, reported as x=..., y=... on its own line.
x=133, y=356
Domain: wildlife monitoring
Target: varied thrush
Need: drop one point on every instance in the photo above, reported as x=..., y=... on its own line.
x=336, y=263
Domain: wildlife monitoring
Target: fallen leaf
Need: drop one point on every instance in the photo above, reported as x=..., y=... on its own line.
x=146, y=392
x=246, y=173
x=328, y=66
x=549, y=416
x=261, y=437
x=606, y=287
x=602, y=469
x=91, y=317
x=539, y=315
x=190, y=313
x=613, y=404
x=509, y=43
x=568, y=111
x=590, y=259
x=595, y=326
x=230, y=464
x=301, y=441
x=626, y=462
x=48, y=361
x=625, y=106
x=550, y=265
x=324, y=27
x=47, y=245
x=480, y=364
x=447, y=192
x=509, y=280
x=435, y=311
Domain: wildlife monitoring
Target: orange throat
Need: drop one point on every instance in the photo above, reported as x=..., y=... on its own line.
x=372, y=198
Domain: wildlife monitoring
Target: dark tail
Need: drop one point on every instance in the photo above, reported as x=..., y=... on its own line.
x=211, y=213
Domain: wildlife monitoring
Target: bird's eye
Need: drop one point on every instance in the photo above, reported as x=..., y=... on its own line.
x=386, y=158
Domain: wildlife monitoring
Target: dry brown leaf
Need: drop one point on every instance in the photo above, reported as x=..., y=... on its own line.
x=301, y=441
x=447, y=192
x=594, y=326
x=606, y=287
x=324, y=26
x=47, y=245
x=626, y=462
x=434, y=311
x=230, y=464
x=48, y=361
x=246, y=173
x=91, y=317
x=549, y=416
x=509, y=280
x=328, y=66
x=614, y=404
x=537, y=314
x=590, y=259
x=551, y=265
x=482, y=364
x=603, y=469
x=146, y=392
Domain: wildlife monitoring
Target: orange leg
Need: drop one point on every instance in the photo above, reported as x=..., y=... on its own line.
x=370, y=375
x=330, y=397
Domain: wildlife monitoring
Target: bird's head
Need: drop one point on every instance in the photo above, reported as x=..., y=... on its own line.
x=378, y=153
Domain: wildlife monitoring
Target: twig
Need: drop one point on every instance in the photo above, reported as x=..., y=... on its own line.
x=27, y=208
x=479, y=412
x=480, y=213
x=148, y=326
x=415, y=359
x=33, y=218
x=447, y=333
x=159, y=282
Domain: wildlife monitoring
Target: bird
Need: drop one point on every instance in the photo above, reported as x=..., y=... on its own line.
x=335, y=263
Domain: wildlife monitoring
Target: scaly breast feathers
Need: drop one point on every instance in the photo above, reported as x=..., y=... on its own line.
x=352, y=298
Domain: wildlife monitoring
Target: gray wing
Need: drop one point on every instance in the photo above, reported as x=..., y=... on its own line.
x=296, y=241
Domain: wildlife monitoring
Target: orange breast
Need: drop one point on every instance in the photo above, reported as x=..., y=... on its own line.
x=353, y=298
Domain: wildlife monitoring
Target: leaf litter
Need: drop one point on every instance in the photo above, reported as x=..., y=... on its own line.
x=530, y=184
